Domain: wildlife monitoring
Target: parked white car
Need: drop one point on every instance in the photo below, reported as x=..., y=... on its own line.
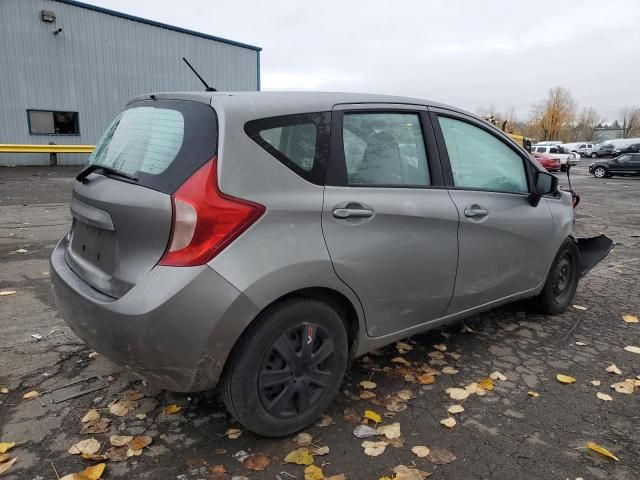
x=553, y=151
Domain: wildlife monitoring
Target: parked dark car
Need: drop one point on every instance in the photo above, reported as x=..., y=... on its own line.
x=633, y=148
x=603, y=150
x=627, y=164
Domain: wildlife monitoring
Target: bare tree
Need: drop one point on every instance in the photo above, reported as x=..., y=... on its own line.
x=588, y=120
x=554, y=114
x=630, y=121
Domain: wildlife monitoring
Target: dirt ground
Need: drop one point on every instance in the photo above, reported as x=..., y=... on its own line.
x=504, y=434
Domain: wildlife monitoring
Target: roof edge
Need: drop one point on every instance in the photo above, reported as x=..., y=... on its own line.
x=153, y=23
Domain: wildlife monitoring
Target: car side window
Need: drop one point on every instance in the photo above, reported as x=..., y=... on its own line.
x=384, y=149
x=480, y=160
x=553, y=150
x=299, y=141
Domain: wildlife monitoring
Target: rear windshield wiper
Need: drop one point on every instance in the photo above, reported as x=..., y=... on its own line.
x=82, y=176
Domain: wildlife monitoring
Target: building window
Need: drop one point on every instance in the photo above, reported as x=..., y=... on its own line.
x=47, y=122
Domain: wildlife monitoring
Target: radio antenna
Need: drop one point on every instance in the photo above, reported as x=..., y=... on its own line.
x=207, y=87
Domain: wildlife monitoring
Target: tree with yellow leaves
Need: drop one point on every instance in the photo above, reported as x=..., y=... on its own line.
x=553, y=114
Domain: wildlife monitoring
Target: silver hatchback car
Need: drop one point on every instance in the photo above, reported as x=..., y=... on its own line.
x=260, y=241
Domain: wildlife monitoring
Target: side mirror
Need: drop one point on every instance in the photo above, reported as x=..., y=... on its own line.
x=543, y=184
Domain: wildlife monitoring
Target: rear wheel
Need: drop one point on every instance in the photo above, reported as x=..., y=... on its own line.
x=599, y=172
x=562, y=280
x=594, y=155
x=287, y=367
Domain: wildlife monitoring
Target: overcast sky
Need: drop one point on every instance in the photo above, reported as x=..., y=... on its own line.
x=468, y=53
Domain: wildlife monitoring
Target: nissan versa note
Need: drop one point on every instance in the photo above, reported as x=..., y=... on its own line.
x=260, y=241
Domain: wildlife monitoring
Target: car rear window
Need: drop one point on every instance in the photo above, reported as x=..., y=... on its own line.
x=299, y=141
x=160, y=142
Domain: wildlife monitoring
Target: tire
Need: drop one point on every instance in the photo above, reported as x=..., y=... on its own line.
x=594, y=155
x=600, y=172
x=562, y=280
x=276, y=342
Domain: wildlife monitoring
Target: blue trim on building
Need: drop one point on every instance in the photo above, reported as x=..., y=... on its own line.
x=162, y=25
x=258, y=59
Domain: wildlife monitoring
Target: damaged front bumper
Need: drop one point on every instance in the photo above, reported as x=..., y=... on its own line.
x=592, y=251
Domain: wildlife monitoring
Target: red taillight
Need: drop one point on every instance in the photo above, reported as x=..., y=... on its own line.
x=205, y=220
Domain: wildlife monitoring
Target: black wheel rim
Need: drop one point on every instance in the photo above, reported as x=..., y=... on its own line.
x=563, y=277
x=296, y=371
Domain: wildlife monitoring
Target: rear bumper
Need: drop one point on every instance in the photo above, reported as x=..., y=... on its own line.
x=176, y=326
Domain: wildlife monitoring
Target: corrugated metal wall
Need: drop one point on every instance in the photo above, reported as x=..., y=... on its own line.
x=94, y=66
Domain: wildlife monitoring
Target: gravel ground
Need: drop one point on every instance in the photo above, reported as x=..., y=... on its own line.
x=504, y=434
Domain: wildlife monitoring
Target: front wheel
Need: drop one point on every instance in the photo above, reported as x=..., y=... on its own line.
x=594, y=155
x=286, y=368
x=599, y=172
x=562, y=280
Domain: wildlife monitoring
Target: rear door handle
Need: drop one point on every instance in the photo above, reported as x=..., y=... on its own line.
x=475, y=212
x=352, y=213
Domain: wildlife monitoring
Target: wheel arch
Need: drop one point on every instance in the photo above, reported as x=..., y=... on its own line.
x=349, y=313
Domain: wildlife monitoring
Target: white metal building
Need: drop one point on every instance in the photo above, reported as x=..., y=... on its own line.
x=67, y=68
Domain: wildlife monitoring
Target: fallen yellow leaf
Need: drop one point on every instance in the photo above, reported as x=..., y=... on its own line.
x=120, y=440
x=426, y=379
x=613, y=369
x=5, y=466
x=457, y=393
x=579, y=307
x=90, y=416
x=604, y=396
x=602, y=451
x=373, y=449
x=313, y=473
x=4, y=293
x=367, y=385
x=390, y=431
x=171, y=409
x=401, y=360
x=31, y=394
x=367, y=395
x=4, y=390
x=89, y=446
x=6, y=446
x=233, y=433
x=90, y=473
x=630, y=318
x=299, y=456
x=373, y=416
x=486, y=384
x=448, y=422
x=420, y=451
x=498, y=376
x=455, y=409
x=565, y=378
x=531, y=393
x=632, y=349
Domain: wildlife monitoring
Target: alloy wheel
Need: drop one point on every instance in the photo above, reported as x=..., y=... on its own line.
x=599, y=172
x=296, y=371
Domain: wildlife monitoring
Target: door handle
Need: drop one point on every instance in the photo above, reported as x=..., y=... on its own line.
x=352, y=213
x=475, y=212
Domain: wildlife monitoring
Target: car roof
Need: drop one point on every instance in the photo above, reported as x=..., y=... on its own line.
x=293, y=101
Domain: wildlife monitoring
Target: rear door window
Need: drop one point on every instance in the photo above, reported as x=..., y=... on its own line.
x=385, y=149
x=300, y=141
x=161, y=142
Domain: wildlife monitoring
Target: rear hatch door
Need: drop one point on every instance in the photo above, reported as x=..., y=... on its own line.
x=122, y=214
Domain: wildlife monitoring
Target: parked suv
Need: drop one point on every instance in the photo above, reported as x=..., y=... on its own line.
x=602, y=150
x=259, y=241
x=633, y=148
x=626, y=164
